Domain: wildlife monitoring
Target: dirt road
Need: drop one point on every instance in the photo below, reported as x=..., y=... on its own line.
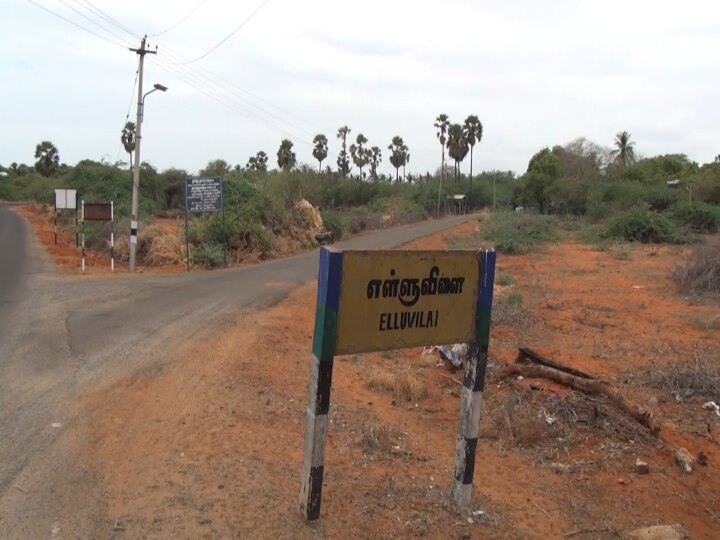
x=58, y=335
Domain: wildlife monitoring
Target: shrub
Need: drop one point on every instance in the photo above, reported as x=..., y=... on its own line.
x=515, y=233
x=335, y=223
x=702, y=273
x=209, y=254
x=639, y=225
x=699, y=217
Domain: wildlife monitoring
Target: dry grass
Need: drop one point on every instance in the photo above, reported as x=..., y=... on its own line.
x=702, y=273
x=403, y=386
x=696, y=378
x=155, y=247
x=551, y=424
x=378, y=438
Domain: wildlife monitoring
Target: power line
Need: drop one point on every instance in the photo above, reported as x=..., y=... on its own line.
x=109, y=18
x=217, y=77
x=200, y=83
x=81, y=27
x=127, y=116
x=231, y=33
x=186, y=17
x=93, y=21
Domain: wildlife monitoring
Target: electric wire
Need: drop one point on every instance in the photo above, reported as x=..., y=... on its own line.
x=109, y=18
x=81, y=27
x=192, y=76
x=231, y=34
x=127, y=116
x=219, y=80
x=186, y=17
x=230, y=101
x=227, y=82
x=223, y=83
x=91, y=20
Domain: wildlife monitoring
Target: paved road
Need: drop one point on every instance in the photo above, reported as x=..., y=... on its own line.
x=57, y=335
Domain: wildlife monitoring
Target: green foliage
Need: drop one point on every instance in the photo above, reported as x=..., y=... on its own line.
x=209, y=254
x=699, y=217
x=505, y=280
x=643, y=225
x=518, y=233
x=515, y=299
x=48, y=159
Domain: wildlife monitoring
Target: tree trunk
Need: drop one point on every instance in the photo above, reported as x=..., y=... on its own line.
x=397, y=174
x=319, y=166
x=470, y=198
x=442, y=176
x=588, y=386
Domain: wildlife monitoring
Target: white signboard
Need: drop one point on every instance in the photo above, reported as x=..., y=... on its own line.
x=65, y=199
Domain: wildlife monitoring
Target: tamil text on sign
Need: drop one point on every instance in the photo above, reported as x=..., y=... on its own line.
x=204, y=194
x=397, y=299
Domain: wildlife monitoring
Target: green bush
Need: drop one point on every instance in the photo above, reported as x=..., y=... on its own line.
x=518, y=233
x=209, y=254
x=335, y=223
x=699, y=217
x=643, y=225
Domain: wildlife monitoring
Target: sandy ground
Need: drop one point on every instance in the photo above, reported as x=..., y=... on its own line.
x=209, y=445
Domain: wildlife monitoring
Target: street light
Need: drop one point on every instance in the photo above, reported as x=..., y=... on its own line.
x=136, y=172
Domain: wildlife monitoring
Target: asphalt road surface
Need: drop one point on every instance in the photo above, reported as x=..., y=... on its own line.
x=60, y=334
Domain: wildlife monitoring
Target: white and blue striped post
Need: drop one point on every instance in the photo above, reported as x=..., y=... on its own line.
x=473, y=386
x=324, y=342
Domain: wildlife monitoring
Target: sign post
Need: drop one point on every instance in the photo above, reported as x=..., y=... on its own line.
x=204, y=194
x=98, y=212
x=65, y=199
x=380, y=300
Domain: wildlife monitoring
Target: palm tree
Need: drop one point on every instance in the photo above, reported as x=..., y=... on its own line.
x=441, y=123
x=127, y=138
x=405, y=152
x=457, y=145
x=359, y=153
x=473, y=134
x=374, y=159
x=48, y=159
x=624, y=149
x=399, y=155
x=258, y=162
x=320, y=151
x=343, y=161
x=285, y=155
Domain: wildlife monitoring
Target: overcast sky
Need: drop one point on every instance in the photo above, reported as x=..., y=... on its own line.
x=536, y=73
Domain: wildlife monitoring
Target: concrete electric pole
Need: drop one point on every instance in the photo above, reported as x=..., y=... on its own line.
x=142, y=51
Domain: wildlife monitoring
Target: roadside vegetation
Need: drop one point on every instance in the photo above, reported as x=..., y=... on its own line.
x=606, y=195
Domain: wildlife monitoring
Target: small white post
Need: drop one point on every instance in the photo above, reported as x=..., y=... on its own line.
x=112, y=236
x=82, y=219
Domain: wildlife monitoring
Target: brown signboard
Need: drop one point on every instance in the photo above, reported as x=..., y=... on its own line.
x=97, y=212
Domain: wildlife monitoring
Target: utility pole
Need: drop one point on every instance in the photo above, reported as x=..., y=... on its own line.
x=141, y=52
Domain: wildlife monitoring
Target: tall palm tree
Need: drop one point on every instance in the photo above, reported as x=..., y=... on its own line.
x=624, y=149
x=48, y=159
x=473, y=134
x=359, y=153
x=285, y=155
x=320, y=151
x=398, y=153
x=441, y=123
x=343, y=161
x=374, y=158
x=457, y=145
x=405, y=152
x=127, y=138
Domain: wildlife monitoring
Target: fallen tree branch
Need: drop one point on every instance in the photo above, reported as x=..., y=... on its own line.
x=588, y=386
x=537, y=358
